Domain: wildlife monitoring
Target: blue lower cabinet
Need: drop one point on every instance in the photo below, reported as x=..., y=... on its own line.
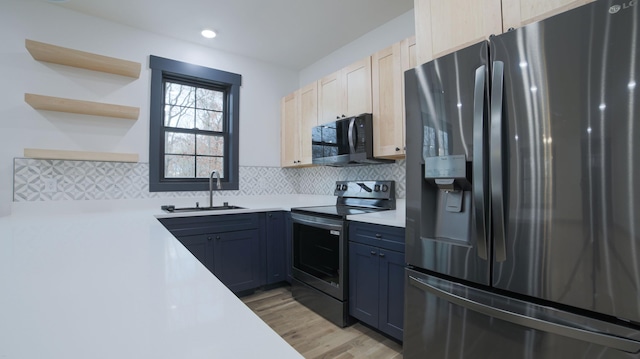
x=363, y=283
x=201, y=246
x=391, y=308
x=376, y=276
x=275, y=234
x=237, y=259
x=227, y=245
x=288, y=237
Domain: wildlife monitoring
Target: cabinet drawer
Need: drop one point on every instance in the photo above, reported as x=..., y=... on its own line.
x=209, y=224
x=386, y=237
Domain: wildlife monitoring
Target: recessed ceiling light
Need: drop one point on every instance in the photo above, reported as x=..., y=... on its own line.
x=209, y=34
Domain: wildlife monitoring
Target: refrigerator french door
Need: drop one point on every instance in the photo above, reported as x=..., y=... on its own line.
x=546, y=166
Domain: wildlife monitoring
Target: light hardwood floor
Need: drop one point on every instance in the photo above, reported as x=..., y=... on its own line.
x=315, y=337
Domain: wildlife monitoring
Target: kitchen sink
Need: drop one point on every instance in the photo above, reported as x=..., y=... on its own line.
x=173, y=209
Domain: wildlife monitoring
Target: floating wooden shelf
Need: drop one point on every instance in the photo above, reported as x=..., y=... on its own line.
x=50, y=103
x=80, y=155
x=64, y=56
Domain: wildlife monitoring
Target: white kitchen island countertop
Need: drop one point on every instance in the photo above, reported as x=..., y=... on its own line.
x=104, y=279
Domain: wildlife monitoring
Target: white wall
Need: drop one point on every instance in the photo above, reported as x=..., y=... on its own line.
x=23, y=127
x=385, y=35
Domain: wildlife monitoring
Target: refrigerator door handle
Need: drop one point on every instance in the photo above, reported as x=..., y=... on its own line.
x=479, y=193
x=575, y=332
x=497, y=188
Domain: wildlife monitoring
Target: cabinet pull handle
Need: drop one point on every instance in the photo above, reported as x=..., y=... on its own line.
x=217, y=237
x=378, y=235
x=209, y=238
x=373, y=253
x=381, y=254
x=397, y=149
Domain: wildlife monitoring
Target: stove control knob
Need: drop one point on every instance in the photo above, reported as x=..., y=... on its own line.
x=385, y=188
x=338, y=187
x=344, y=187
x=376, y=188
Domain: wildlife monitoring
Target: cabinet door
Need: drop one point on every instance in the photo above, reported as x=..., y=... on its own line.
x=363, y=283
x=450, y=25
x=517, y=13
x=388, y=102
x=308, y=119
x=276, y=251
x=201, y=246
x=288, y=230
x=391, y=293
x=329, y=103
x=408, y=55
x=237, y=259
x=289, y=141
x=356, y=87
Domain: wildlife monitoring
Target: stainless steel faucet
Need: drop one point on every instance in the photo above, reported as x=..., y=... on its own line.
x=218, y=184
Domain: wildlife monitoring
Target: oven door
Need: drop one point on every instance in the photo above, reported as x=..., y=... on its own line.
x=319, y=253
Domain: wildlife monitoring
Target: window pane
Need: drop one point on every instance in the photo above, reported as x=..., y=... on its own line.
x=179, y=117
x=209, y=120
x=205, y=165
x=179, y=143
x=210, y=145
x=179, y=166
x=179, y=95
x=209, y=99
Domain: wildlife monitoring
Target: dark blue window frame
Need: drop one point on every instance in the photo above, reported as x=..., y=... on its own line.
x=162, y=69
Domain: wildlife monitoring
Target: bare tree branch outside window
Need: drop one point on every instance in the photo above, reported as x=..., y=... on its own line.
x=194, y=131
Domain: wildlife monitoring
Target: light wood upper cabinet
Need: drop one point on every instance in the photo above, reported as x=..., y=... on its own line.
x=329, y=102
x=346, y=92
x=388, y=67
x=408, y=54
x=299, y=114
x=356, y=87
x=308, y=105
x=517, y=13
x=290, y=140
x=388, y=103
x=445, y=26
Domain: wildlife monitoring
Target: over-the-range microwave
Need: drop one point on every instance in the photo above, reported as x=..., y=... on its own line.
x=345, y=142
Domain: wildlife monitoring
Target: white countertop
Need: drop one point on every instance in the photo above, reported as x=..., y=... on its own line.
x=104, y=279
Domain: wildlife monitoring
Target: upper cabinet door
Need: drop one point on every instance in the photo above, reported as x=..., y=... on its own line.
x=289, y=141
x=356, y=87
x=308, y=104
x=388, y=102
x=408, y=55
x=329, y=104
x=445, y=26
x=346, y=92
x=517, y=13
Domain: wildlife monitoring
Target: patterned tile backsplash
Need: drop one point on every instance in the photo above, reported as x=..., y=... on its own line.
x=58, y=180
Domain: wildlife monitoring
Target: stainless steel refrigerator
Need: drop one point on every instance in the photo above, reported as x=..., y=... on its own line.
x=523, y=193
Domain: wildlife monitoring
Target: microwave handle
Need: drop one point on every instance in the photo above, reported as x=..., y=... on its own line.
x=352, y=143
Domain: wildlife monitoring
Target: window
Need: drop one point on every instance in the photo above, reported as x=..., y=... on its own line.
x=193, y=126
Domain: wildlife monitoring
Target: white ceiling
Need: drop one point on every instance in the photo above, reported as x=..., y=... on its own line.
x=291, y=33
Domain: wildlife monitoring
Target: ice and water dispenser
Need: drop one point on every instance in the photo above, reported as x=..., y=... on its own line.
x=446, y=201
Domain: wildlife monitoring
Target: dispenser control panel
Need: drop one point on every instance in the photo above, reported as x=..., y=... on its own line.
x=445, y=167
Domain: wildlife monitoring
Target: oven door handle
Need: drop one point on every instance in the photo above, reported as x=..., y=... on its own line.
x=319, y=222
